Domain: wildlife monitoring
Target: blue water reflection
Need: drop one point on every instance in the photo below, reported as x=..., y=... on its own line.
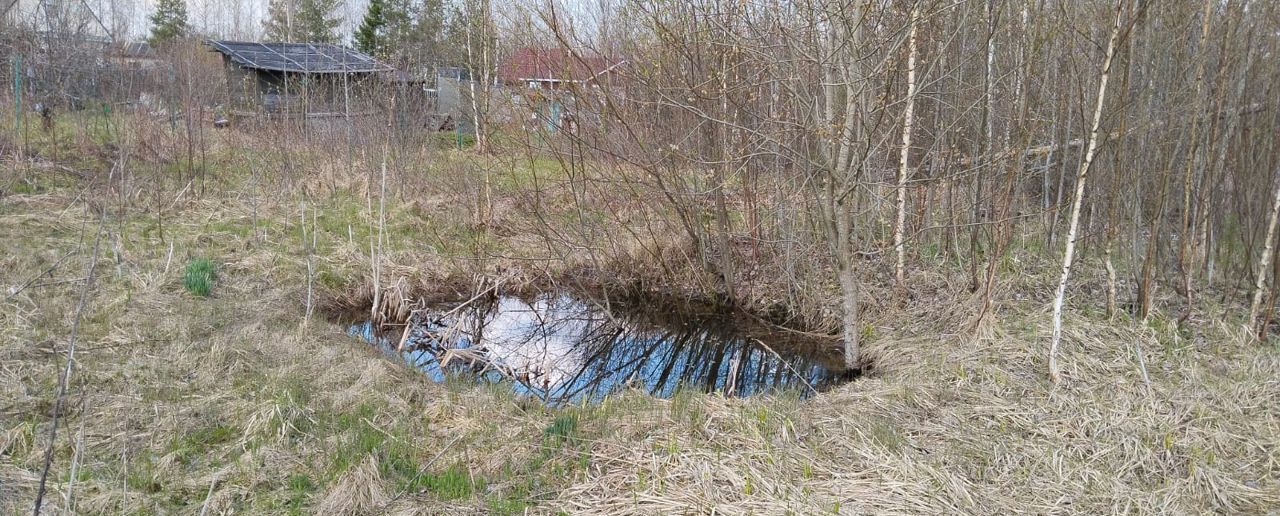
x=559, y=348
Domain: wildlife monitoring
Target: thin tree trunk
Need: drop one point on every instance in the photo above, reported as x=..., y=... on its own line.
x=307, y=249
x=1268, y=313
x=1111, y=224
x=848, y=291
x=1076, y=203
x=854, y=103
x=988, y=144
x=1048, y=165
x=377, y=252
x=1147, y=280
x=721, y=172
x=1265, y=261
x=1111, y=277
x=1232, y=123
x=1062, y=181
x=907, y=119
x=476, y=110
x=1188, y=218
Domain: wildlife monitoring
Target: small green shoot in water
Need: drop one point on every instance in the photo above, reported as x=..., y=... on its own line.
x=198, y=278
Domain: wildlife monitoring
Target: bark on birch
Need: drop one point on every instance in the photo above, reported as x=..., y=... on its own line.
x=1076, y=203
x=907, y=119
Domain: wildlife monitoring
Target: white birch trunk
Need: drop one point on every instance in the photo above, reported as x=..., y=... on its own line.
x=484, y=76
x=1076, y=203
x=907, y=119
x=1264, y=263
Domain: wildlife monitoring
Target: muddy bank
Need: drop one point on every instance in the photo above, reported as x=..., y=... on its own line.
x=621, y=284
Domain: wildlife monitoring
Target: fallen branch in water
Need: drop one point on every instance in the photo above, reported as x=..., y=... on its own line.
x=404, y=337
x=788, y=364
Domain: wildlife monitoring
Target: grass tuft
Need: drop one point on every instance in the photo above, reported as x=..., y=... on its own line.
x=198, y=278
x=451, y=484
x=562, y=428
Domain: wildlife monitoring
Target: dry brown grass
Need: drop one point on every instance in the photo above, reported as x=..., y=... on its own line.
x=232, y=404
x=971, y=426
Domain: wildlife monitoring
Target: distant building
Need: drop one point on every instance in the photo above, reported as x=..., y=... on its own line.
x=299, y=78
x=74, y=70
x=135, y=55
x=555, y=86
x=555, y=68
x=76, y=54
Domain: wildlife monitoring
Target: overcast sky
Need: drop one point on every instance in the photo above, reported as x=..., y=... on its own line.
x=234, y=19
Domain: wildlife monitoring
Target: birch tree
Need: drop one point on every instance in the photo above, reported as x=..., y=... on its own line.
x=1073, y=226
x=1264, y=262
x=907, y=119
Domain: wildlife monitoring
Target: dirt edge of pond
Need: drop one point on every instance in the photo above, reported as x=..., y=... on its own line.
x=402, y=294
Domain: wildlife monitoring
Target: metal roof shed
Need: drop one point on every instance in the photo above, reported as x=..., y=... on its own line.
x=308, y=58
x=298, y=77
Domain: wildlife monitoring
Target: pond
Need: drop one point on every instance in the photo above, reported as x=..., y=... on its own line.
x=562, y=348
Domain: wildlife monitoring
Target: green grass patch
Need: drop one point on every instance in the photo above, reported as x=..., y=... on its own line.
x=198, y=446
x=198, y=277
x=447, y=139
x=517, y=502
x=142, y=477
x=887, y=434
x=452, y=483
x=563, y=428
x=300, y=487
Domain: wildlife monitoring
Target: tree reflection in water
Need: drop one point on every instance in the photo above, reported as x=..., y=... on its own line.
x=560, y=348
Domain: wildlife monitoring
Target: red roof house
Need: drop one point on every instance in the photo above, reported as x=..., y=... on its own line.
x=555, y=68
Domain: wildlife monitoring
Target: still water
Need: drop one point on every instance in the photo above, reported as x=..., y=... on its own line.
x=560, y=348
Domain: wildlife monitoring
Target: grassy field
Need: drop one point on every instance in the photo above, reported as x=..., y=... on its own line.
x=202, y=386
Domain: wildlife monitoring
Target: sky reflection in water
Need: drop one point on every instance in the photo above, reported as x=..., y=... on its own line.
x=560, y=349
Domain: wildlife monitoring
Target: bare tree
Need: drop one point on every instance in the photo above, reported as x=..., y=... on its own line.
x=1081, y=176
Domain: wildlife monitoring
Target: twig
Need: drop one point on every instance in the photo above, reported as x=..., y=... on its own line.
x=376, y=255
x=464, y=304
x=59, y=282
x=1142, y=364
x=788, y=364
x=205, y=506
x=482, y=293
x=408, y=328
x=310, y=264
x=423, y=469
x=180, y=194
x=169, y=259
x=779, y=327
x=378, y=428
x=75, y=457
x=66, y=373
x=38, y=276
